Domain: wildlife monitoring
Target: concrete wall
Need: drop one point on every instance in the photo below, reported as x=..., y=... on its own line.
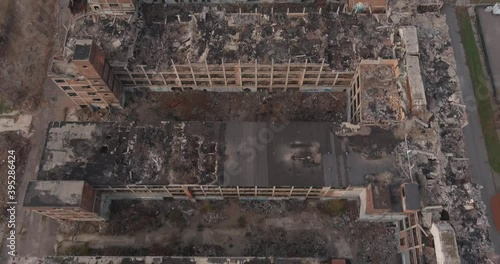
x=445, y=243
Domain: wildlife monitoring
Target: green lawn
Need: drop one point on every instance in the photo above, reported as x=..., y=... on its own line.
x=484, y=103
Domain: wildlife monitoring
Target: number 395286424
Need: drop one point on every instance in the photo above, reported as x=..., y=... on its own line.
x=11, y=175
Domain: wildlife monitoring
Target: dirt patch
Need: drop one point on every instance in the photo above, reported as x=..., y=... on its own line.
x=233, y=228
x=26, y=37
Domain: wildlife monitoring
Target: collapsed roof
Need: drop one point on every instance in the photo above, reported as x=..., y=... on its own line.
x=167, y=34
x=208, y=153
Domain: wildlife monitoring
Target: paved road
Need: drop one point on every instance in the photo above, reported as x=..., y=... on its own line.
x=476, y=150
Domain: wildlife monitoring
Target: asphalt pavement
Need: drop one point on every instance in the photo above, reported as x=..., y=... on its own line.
x=473, y=135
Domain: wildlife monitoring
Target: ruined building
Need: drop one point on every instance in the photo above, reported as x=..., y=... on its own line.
x=373, y=65
x=69, y=200
x=234, y=48
x=84, y=166
x=98, y=85
x=128, y=7
x=83, y=163
x=237, y=48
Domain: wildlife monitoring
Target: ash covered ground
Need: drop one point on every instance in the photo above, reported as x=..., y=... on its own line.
x=152, y=108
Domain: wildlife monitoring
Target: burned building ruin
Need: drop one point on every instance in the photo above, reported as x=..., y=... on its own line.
x=84, y=166
x=234, y=48
x=345, y=48
x=205, y=160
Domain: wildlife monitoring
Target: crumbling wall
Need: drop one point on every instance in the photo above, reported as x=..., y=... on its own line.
x=446, y=245
x=217, y=48
x=380, y=101
x=417, y=98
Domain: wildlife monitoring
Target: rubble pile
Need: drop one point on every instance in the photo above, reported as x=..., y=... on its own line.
x=446, y=175
x=279, y=242
x=76, y=227
x=272, y=207
x=240, y=228
x=380, y=252
x=434, y=142
x=214, y=217
x=377, y=145
x=217, y=34
x=381, y=102
x=183, y=35
x=194, y=154
x=466, y=212
x=123, y=153
x=133, y=216
x=438, y=70
x=116, y=35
